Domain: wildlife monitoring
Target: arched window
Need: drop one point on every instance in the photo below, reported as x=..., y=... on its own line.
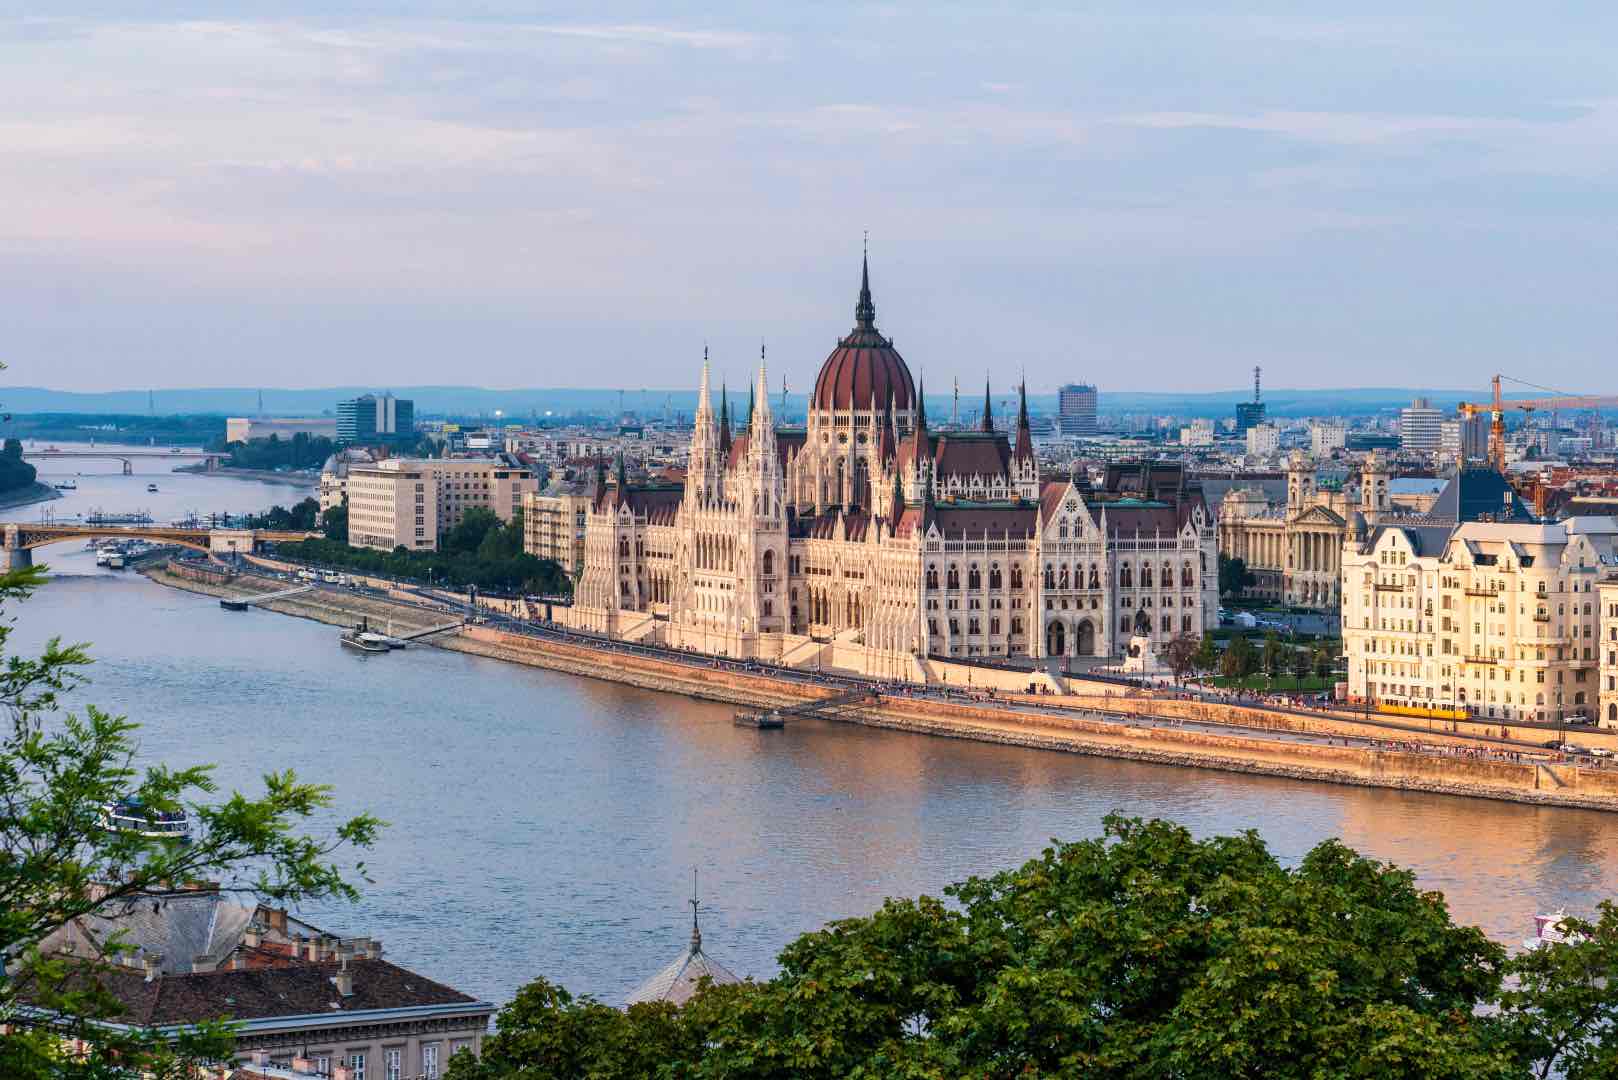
x=974, y=577
x=769, y=563
x=1185, y=575
x=994, y=576
x=1168, y=624
x=1050, y=576
x=954, y=577
x=1063, y=583
x=932, y=577
x=1125, y=579
x=1016, y=577
x=1095, y=580
x=1146, y=575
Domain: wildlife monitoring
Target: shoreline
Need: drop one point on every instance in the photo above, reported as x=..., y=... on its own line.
x=1146, y=730
x=266, y=476
x=37, y=492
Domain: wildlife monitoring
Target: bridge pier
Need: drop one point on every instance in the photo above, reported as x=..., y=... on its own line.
x=129, y=467
x=16, y=558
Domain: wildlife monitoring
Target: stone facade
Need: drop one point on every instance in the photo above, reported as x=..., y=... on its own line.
x=1293, y=551
x=867, y=530
x=1498, y=618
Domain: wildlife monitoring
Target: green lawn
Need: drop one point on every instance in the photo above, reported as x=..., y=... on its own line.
x=1286, y=683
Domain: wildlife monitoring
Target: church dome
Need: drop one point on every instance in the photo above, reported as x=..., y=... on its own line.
x=864, y=365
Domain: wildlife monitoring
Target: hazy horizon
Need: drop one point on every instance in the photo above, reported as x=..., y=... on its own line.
x=347, y=193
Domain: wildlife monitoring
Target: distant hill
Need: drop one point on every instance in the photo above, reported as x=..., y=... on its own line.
x=524, y=403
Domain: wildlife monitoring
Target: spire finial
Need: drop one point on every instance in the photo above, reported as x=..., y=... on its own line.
x=696, y=931
x=988, y=409
x=865, y=310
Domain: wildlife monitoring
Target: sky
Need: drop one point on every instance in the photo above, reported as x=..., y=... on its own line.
x=1147, y=196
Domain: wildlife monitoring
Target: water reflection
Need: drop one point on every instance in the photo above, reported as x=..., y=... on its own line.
x=544, y=823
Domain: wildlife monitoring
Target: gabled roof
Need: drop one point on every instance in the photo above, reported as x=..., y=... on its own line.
x=1478, y=495
x=260, y=993
x=972, y=453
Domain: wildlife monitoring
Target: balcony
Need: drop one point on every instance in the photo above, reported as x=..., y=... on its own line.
x=1542, y=616
x=1480, y=660
x=1388, y=586
x=1485, y=591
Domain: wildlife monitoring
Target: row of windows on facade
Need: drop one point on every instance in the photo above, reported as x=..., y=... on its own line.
x=1401, y=690
x=393, y=1061
x=1386, y=667
x=1125, y=625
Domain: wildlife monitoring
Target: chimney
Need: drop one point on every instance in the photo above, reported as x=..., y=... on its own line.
x=254, y=936
x=278, y=920
x=312, y=949
x=153, y=965
x=344, y=979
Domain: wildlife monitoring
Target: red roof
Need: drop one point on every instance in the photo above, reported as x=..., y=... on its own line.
x=863, y=367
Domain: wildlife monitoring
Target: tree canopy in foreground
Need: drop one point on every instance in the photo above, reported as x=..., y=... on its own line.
x=58, y=861
x=1145, y=953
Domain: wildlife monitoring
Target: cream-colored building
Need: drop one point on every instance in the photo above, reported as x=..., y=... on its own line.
x=1292, y=551
x=1498, y=617
x=867, y=534
x=248, y=428
x=411, y=502
x=553, y=528
x=1608, y=647
x=393, y=504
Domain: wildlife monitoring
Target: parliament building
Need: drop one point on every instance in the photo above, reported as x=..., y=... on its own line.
x=869, y=540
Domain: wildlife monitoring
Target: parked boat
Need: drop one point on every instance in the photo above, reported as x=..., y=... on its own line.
x=130, y=815
x=66, y=485
x=230, y=604
x=360, y=641
x=103, y=556
x=151, y=487
x=1547, y=931
x=115, y=560
x=764, y=721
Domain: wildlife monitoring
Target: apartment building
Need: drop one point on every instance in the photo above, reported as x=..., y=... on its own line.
x=553, y=528
x=1607, y=632
x=412, y=502
x=393, y=504
x=1497, y=617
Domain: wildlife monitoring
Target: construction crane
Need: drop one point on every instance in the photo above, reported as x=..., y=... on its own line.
x=1497, y=409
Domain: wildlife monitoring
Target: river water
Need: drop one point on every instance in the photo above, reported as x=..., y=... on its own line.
x=547, y=824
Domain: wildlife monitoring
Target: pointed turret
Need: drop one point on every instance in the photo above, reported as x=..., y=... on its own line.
x=751, y=395
x=702, y=468
x=621, y=477
x=1025, y=434
x=724, y=424
x=988, y=408
x=865, y=309
x=887, y=438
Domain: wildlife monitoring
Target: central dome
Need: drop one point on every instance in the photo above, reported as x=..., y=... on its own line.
x=864, y=365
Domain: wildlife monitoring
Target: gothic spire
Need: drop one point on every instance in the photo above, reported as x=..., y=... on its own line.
x=988, y=408
x=621, y=479
x=724, y=418
x=1025, y=435
x=865, y=310
x=921, y=404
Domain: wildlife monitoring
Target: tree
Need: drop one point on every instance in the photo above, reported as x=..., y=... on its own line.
x=1180, y=653
x=1239, y=660
x=1300, y=662
x=1145, y=952
x=1207, y=657
x=1274, y=657
x=1233, y=576
x=1324, y=659
x=1562, y=1010
x=334, y=523
x=57, y=861
x=13, y=449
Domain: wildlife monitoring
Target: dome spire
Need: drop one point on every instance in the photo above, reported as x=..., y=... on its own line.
x=865, y=310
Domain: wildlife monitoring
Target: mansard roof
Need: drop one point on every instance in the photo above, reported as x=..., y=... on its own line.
x=738, y=448
x=824, y=526
x=659, y=504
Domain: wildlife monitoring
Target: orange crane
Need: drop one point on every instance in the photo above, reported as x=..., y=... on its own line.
x=1497, y=408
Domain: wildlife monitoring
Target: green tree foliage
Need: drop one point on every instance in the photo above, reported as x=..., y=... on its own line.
x=1207, y=655
x=1233, y=576
x=192, y=430
x=1240, y=659
x=302, y=451
x=1274, y=657
x=480, y=550
x=303, y=515
x=58, y=772
x=1324, y=659
x=334, y=523
x=14, y=471
x=1180, y=654
x=1301, y=664
x=1144, y=953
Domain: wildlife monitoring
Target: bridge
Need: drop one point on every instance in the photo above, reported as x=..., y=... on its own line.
x=21, y=539
x=123, y=454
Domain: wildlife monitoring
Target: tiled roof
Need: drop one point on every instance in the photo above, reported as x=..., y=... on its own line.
x=964, y=454
x=180, y=927
x=267, y=993
x=969, y=521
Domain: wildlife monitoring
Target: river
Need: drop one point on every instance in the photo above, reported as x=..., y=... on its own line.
x=547, y=824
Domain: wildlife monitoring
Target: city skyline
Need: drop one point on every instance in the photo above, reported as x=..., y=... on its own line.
x=331, y=195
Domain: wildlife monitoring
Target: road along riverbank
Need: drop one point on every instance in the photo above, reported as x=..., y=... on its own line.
x=1162, y=731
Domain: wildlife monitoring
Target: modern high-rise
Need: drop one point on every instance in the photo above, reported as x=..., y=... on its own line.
x=1464, y=439
x=1250, y=413
x=372, y=418
x=1419, y=427
x=1076, y=409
